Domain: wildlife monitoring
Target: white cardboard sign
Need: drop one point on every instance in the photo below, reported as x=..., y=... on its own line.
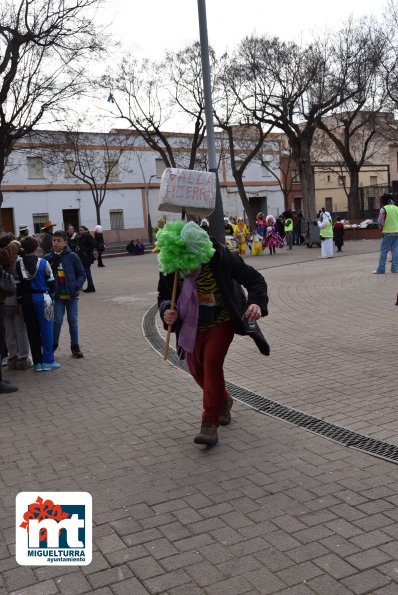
x=188, y=189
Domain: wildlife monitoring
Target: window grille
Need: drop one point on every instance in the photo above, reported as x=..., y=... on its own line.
x=38, y=220
x=117, y=219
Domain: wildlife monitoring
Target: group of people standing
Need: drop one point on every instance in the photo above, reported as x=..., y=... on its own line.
x=47, y=273
x=285, y=230
x=269, y=233
x=81, y=242
x=85, y=245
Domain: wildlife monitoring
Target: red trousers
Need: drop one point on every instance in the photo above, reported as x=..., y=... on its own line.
x=206, y=366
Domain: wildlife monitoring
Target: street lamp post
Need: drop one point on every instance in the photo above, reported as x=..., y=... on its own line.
x=216, y=219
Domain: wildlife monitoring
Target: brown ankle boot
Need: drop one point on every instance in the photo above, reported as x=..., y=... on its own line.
x=12, y=363
x=225, y=415
x=207, y=435
x=24, y=363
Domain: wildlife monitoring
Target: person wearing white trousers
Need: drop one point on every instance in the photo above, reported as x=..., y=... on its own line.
x=326, y=233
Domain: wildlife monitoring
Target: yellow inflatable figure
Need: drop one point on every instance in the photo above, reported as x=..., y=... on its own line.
x=242, y=235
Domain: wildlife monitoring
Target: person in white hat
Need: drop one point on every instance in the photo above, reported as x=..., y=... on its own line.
x=228, y=227
x=326, y=233
x=23, y=232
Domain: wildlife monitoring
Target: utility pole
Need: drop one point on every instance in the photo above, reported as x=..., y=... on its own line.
x=216, y=219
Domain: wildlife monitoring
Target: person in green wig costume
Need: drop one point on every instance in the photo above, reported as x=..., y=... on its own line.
x=211, y=307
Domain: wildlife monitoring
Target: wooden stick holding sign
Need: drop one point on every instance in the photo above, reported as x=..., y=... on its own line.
x=172, y=305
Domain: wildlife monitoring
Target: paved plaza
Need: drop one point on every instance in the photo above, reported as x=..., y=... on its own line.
x=272, y=508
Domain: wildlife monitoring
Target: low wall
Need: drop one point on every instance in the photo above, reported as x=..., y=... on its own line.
x=124, y=235
x=362, y=234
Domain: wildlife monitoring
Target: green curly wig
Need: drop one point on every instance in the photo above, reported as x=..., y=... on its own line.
x=183, y=246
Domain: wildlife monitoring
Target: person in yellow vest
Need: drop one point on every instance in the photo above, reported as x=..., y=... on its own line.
x=388, y=223
x=289, y=229
x=326, y=233
x=242, y=234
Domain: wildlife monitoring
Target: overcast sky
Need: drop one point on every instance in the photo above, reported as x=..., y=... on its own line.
x=148, y=27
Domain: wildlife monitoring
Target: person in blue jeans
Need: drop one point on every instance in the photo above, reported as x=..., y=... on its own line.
x=69, y=278
x=34, y=293
x=388, y=223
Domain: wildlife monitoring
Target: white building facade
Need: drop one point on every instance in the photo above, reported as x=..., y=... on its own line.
x=39, y=185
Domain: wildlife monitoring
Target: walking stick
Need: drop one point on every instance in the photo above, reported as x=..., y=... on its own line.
x=172, y=304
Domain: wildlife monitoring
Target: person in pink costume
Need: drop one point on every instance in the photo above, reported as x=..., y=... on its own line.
x=272, y=239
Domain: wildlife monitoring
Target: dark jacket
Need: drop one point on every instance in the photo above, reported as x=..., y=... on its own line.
x=72, y=241
x=130, y=247
x=230, y=272
x=38, y=280
x=8, y=256
x=85, y=248
x=45, y=243
x=73, y=269
x=338, y=233
x=99, y=241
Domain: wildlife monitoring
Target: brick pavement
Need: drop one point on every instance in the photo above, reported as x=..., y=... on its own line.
x=271, y=509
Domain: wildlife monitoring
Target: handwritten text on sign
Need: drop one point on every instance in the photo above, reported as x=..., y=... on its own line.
x=189, y=190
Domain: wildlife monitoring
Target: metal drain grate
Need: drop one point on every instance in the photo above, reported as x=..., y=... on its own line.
x=339, y=434
x=315, y=424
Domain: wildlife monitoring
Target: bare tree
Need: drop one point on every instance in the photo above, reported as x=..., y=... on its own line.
x=245, y=139
x=358, y=128
x=293, y=87
x=356, y=139
x=44, y=49
x=280, y=165
x=92, y=158
x=390, y=62
x=153, y=95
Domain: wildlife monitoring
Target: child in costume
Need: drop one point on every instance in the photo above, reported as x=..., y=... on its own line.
x=211, y=307
x=242, y=235
x=338, y=234
x=257, y=246
x=272, y=239
x=139, y=247
x=261, y=224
